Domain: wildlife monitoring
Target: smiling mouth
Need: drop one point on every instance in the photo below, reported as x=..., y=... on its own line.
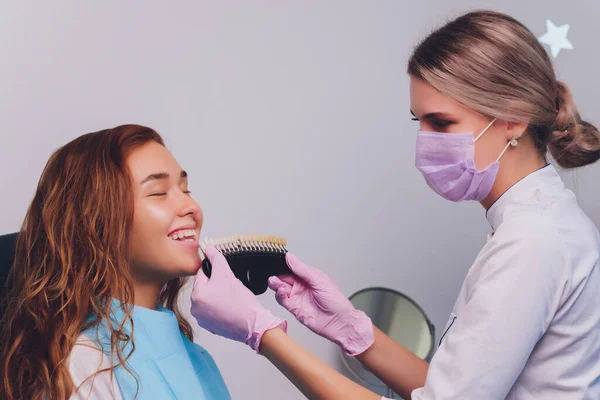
x=184, y=235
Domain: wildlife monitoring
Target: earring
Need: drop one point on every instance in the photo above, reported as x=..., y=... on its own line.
x=514, y=142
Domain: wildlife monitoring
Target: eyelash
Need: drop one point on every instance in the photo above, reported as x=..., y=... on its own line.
x=441, y=124
x=164, y=194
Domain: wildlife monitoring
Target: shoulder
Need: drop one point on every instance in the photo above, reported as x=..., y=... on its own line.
x=529, y=227
x=529, y=235
x=529, y=250
x=85, y=363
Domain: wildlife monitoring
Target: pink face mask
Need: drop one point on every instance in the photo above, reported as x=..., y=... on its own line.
x=447, y=162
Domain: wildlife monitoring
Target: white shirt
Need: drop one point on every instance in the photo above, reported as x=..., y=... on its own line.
x=526, y=324
x=84, y=361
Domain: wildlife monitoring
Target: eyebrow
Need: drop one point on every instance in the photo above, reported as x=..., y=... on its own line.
x=434, y=115
x=162, y=175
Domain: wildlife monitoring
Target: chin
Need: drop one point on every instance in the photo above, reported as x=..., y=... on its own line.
x=190, y=269
x=185, y=264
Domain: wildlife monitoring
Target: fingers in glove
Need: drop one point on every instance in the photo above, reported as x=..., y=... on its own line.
x=276, y=281
x=308, y=274
x=282, y=295
x=220, y=266
x=200, y=278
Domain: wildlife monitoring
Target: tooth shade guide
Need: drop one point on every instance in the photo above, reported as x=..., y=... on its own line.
x=251, y=258
x=246, y=243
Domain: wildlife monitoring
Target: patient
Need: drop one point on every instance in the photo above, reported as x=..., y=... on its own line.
x=105, y=246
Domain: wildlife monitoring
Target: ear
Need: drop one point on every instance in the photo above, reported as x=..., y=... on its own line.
x=514, y=130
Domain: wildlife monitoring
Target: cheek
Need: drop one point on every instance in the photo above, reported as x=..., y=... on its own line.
x=486, y=152
x=151, y=223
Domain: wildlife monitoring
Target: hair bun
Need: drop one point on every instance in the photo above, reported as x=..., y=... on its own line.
x=567, y=114
x=573, y=143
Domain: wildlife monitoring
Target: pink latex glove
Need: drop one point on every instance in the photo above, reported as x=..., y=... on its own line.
x=224, y=306
x=313, y=298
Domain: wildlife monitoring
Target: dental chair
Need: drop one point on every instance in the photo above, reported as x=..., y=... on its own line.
x=7, y=255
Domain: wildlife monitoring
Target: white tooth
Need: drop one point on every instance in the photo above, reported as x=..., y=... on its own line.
x=224, y=243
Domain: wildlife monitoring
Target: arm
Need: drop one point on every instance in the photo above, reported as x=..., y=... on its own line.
x=313, y=378
x=223, y=306
x=394, y=364
x=510, y=306
x=316, y=301
x=515, y=291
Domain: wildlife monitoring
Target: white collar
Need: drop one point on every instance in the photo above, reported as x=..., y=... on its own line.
x=542, y=177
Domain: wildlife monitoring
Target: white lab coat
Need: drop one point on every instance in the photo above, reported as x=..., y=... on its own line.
x=526, y=324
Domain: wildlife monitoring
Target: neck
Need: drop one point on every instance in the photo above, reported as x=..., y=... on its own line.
x=147, y=294
x=512, y=170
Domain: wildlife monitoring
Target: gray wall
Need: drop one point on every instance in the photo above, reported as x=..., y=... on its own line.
x=292, y=119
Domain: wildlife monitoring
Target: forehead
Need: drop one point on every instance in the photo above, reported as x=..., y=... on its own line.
x=151, y=158
x=424, y=99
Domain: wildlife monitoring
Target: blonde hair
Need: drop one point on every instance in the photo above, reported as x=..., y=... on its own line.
x=492, y=64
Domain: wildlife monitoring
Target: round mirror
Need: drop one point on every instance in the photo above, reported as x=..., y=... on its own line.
x=401, y=319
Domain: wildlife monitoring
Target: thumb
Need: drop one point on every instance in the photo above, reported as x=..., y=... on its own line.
x=220, y=266
x=309, y=274
x=276, y=283
x=282, y=295
x=282, y=291
x=200, y=277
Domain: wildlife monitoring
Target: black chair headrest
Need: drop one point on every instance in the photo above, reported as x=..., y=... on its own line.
x=7, y=256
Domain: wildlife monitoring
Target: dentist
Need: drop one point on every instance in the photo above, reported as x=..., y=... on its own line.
x=526, y=323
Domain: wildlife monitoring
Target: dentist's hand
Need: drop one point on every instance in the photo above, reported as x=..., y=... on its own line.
x=313, y=298
x=224, y=306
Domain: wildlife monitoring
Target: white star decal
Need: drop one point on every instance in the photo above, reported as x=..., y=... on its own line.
x=556, y=38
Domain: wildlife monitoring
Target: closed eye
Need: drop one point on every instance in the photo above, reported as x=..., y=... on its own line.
x=157, y=194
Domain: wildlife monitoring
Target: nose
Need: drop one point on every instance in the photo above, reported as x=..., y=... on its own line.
x=187, y=206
